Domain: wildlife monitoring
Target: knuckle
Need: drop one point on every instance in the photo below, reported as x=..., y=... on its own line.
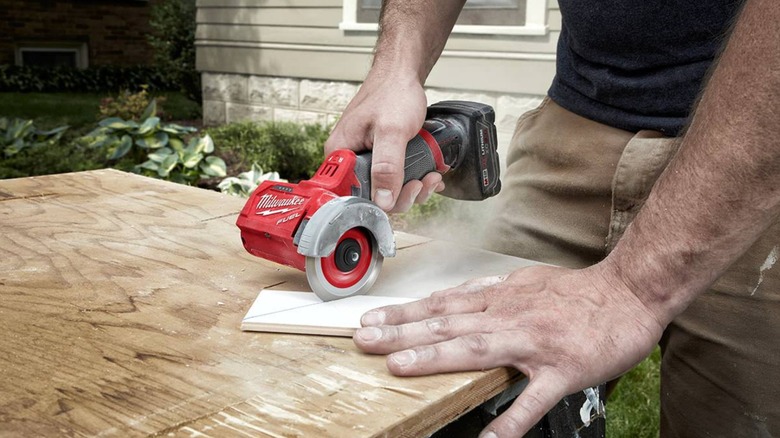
x=475, y=344
x=435, y=305
x=431, y=354
x=512, y=425
x=391, y=333
x=439, y=326
x=392, y=127
x=440, y=294
x=531, y=404
x=385, y=169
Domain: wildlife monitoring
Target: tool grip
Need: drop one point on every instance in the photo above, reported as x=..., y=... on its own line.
x=420, y=159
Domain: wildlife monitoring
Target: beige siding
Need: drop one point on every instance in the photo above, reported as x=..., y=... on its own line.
x=219, y=33
x=302, y=39
x=269, y=3
x=265, y=16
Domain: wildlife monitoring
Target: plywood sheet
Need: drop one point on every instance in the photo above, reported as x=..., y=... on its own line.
x=121, y=300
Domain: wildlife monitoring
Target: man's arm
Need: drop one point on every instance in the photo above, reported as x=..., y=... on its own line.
x=570, y=329
x=412, y=35
x=723, y=188
x=390, y=107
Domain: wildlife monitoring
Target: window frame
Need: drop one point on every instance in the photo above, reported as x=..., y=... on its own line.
x=535, y=22
x=78, y=49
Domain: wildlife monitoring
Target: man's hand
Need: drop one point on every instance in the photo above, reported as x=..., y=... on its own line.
x=390, y=107
x=386, y=113
x=566, y=330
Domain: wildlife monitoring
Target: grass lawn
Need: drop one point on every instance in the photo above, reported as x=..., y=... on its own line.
x=51, y=109
x=80, y=109
x=633, y=410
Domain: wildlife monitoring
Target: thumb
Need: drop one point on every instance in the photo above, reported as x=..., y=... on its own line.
x=538, y=398
x=387, y=169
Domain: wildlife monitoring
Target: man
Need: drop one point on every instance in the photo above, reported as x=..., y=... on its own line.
x=579, y=169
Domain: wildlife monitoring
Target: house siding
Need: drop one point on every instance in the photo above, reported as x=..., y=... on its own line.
x=298, y=43
x=115, y=32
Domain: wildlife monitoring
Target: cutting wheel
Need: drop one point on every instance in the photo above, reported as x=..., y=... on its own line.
x=351, y=269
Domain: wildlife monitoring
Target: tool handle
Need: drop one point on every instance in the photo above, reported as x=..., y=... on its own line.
x=458, y=139
x=423, y=155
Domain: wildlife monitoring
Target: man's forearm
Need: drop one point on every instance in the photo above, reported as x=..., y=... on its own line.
x=413, y=34
x=723, y=187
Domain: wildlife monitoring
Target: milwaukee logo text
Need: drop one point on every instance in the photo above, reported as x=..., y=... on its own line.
x=271, y=201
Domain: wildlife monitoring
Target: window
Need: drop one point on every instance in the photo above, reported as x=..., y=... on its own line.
x=52, y=55
x=475, y=12
x=509, y=17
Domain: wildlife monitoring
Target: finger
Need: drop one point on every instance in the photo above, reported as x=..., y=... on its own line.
x=336, y=140
x=424, y=309
x=539, y=397
x=353, y=136
x=390, y=338
x=430, y=182
x=471, y=286
x=407, y=196
x=387, y=166
x=473, y=351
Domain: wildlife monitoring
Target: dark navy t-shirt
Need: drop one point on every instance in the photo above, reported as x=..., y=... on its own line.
x=638, y=64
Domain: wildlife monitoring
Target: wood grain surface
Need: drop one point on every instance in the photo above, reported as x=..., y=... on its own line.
x=121, y=299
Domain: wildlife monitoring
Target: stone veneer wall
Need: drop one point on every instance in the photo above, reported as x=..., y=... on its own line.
x=230, y=98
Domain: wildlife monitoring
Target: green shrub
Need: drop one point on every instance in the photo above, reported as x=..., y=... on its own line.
x=173, y=40
x=128, y=105
x=156, y=149
x=421, y=216
x=56, y=154
x=185, y=165
x=293, y=150
x=48, y=160
x=246, y=182
x=106, y=78
x=19, y=134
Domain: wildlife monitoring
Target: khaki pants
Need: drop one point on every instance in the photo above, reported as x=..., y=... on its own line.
x=571, y=187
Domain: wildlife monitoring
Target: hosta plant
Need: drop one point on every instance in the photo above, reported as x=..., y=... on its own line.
x=246, y=182
x=183, y=164
x=19, y=134
x=162, y=150
x=120, y=137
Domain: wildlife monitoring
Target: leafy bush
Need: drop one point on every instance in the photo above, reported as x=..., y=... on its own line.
x=173, y=40
x=18, y=134
x=96, y=79
x=129, y=105
x=47, y=160
x=186, y=165
x=157, y=149
x=423, y=216
x=46, y=151
x=246, y=182
x=293, y=150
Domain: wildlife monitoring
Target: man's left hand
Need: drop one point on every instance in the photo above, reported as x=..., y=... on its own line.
x=566, y=330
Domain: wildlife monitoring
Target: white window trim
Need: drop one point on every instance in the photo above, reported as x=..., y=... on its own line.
x=82, y=57
x=535, y=22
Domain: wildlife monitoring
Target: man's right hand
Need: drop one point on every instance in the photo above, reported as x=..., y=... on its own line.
x=386, y=113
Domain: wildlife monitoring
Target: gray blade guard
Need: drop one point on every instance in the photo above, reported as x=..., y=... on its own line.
x=334, y=218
